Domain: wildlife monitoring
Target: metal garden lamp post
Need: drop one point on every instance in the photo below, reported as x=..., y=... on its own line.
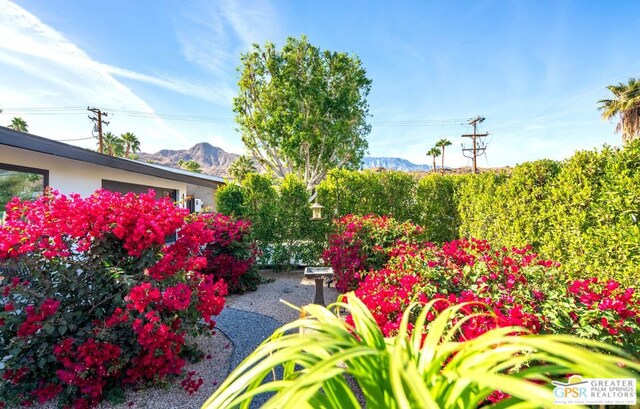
x=318, y=273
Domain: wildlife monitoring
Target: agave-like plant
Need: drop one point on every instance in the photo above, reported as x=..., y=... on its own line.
x=415, y=369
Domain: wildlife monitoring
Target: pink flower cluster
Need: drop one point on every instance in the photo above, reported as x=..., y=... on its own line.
x=509, y=286
x=58, y=225
x=87, y=367
x=35, y=318
x=153, y=294
x=360, y=243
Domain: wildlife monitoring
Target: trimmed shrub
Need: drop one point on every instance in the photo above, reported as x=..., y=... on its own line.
x=230, y=200
x=369, y=192
x=437, y=207
x=583, y=212
x=93, y=300
x=280, y=216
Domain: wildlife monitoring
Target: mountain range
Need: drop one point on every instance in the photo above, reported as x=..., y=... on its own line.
x=215, y=161
x=393, y=163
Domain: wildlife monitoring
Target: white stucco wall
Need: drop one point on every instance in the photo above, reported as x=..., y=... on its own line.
x=72, y=176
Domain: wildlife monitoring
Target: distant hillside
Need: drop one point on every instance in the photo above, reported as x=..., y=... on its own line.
x=215, y=161
x=393, y=164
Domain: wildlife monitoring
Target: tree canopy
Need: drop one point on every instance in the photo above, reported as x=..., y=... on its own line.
x=625, y=105
x=112, y=144
x=434, y=152
x=190, y=165
x=19, y=124
x=303, y=110
x=131, y=144
x=442, y=144
x=241, y=167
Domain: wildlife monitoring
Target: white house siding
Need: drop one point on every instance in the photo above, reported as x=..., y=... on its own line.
x=206, y=194
x=72, y=176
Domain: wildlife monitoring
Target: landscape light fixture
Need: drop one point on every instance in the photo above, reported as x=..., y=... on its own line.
x=316, y=208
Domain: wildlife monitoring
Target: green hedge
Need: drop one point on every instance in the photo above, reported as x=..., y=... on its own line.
x=583, y=212
x=280, y=215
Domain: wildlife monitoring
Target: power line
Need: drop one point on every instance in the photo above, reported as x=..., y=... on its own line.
x=476, y=137
x=99, y=122
x=75, y=139
x=71, y=110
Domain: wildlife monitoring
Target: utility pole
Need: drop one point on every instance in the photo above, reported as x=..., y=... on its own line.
x=99, y=122
x=475, y=149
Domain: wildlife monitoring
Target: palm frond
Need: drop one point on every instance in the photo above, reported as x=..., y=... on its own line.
x=423, y=368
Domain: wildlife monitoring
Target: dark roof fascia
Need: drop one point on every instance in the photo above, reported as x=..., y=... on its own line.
x=23, y=140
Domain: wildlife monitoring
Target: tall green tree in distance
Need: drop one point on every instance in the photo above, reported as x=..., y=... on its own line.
x=112, y=144
x=19, y=124
x=434, y=152
x=131, y=144
x=241, y=167
x=625, y=105
x=443, y=143
x=190, y=165
x=302, y=110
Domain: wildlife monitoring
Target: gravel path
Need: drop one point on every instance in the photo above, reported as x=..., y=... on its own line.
x=246, y=321
x=213, y=372
x=289, y=286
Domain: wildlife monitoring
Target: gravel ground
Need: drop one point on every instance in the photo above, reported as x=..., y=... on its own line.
x=245, y=322
x=213, y=371
x=289, y=286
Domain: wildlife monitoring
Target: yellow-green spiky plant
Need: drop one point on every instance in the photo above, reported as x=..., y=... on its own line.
x=410, y=371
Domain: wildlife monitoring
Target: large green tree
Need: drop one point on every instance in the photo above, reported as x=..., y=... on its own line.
x=131, y=144
x=625, y=105
x=19, y=124
x=303, y=110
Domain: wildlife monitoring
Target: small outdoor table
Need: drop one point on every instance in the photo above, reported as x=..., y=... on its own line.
x=318, y=274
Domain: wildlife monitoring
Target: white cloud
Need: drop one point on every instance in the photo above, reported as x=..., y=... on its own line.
x=32, y=53
x=220, y=94
x=212, y=34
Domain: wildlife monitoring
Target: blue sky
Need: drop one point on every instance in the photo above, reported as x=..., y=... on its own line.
x=533, y=69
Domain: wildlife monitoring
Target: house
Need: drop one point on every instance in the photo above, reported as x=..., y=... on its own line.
x=29, y=163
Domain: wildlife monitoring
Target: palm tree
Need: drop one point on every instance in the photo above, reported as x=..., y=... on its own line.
x=435, y=152
x=443, y=143
x=131, y=143
x=626, y=105
x=19, y=124
x=241, y=167
x=190, y=165
x=112, y=144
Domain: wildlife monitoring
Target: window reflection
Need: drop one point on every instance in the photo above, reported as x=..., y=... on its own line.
x=25, y=183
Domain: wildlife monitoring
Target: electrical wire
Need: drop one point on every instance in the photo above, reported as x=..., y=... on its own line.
x=74, y=110
x=76, y=139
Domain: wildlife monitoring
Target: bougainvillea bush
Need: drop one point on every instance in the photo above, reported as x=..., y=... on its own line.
x=514, y=285
x=231, y=254
x=359, y=244
x=93, y=300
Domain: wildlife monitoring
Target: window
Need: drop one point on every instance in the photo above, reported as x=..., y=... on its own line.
x=161, y=192
x=25, y=183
